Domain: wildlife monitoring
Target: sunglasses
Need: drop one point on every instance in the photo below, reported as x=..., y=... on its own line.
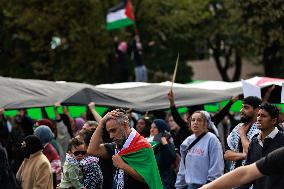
x=77, y=153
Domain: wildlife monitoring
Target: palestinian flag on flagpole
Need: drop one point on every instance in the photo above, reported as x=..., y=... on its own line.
x=120, y=16
x=140, y=156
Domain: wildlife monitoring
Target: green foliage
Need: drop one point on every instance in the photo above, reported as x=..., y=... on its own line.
x=86, y=51
x=166, y=28
x=29, y=28
x=265, y=23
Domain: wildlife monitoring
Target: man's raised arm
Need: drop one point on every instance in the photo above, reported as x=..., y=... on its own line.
x=96, y=147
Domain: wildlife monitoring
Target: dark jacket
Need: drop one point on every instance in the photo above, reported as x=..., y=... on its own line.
x=165, y=156
x=256, y=152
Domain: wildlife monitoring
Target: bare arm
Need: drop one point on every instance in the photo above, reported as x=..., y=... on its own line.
x=95, y=147
x=97, y=116
x=66, y=112
x=244, y=174
x=234, y=156
x=119, y=163
x=44, y=113
x=57, y=116
x=243, y=135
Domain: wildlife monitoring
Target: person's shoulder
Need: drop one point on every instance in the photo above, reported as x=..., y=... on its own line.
x=212, y=137
x=188, y=140
x=280, y=137
x=236, y=129
x=42, y=162
x=254, y=141
x=210, y=134
x=280, y=133
x=43, y=157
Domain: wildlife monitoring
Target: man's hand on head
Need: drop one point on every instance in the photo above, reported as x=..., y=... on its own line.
x=110, y=115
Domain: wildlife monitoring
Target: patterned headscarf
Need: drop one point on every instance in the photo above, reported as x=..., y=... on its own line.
x=210, y=123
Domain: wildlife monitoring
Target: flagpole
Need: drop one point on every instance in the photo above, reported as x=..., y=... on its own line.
x=175, y=72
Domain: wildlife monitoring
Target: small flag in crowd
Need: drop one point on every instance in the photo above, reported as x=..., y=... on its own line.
x=120, y=16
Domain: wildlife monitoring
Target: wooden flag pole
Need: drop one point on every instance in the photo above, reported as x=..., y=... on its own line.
x=175, y=72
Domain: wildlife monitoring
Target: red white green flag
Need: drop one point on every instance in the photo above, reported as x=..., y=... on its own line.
x=140, y=156
x=120, y=16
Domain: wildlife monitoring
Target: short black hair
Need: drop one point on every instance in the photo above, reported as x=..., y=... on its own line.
x=252, y=101
x=74, y=142
x=271, y=109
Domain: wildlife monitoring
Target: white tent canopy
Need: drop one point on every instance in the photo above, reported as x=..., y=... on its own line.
x=27, y=93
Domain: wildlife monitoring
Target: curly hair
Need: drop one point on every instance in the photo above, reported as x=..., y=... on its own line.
x=121, y=118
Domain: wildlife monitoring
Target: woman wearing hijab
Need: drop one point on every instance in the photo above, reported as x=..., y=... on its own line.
x=35, y=171
x=53, y=141
x=164, y=152
x=211, y=126
x=201, y=155
x=45, y=135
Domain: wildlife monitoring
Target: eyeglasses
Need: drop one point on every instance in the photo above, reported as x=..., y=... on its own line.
x=77, y=153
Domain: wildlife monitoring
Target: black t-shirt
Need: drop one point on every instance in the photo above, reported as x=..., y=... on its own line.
x=129, y=182
x=273, y=165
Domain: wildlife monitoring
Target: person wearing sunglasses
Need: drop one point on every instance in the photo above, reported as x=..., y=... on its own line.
x=72, y=175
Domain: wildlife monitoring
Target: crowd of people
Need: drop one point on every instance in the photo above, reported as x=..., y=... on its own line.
x=124, y=149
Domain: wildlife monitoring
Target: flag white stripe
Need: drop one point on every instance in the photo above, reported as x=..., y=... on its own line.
x=114, y=16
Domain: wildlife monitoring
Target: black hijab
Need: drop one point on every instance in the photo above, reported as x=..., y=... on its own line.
x=33, y=145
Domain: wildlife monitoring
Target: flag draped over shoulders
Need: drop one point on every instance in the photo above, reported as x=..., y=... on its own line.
x=120, y=16
x=140, y=156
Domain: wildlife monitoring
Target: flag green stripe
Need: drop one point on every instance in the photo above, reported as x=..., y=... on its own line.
x=154, y=144
x=144, y=162
x=119, y=24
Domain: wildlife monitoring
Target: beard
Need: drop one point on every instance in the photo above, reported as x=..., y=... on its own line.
x=120, y=143
x=246, y=119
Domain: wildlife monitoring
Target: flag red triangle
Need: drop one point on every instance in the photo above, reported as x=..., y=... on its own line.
x=129, y=10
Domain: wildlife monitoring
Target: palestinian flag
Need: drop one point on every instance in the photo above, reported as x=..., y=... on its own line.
x=120, y=16
x=140, y=156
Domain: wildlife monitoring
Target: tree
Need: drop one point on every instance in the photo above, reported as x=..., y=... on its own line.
x=67, y=40
x=225, y=38
x=84, y=52
x=30, y=26
x=164, y=26
x=264, y=21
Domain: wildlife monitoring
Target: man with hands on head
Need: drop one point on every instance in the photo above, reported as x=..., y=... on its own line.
x=132, y=156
